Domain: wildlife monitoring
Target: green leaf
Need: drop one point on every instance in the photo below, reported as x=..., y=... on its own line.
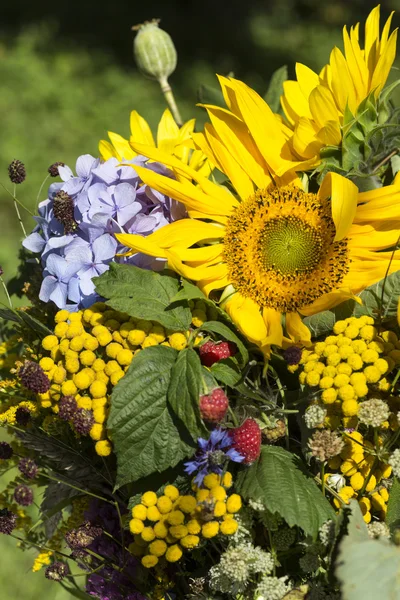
x=367, y=568
x=373, y=302
x=210, y=95
x=275, y=88
x=184, y=391
x=34, y=324
x=323, y=322
x=146, y=436
x=277, y=481
x=393, y=511
x=228, y=334
x=144, y=295
x=9, y=315
x=226, y=371
x=189, y=291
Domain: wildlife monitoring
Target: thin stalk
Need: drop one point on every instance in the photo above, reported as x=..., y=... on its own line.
x=170, y=98
x=323, y=478
x=74, y=487
x=39, y=546
x=234, y=417
x=16, y=199
x=3, y=283
x=40, y=190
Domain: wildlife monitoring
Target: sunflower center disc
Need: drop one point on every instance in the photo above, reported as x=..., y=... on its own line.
x=290, y=246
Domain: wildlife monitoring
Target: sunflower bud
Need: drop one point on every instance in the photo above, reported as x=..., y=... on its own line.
x=154, y=51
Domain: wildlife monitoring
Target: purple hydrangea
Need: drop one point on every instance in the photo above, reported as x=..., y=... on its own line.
x=107, y=199
x=212, y=455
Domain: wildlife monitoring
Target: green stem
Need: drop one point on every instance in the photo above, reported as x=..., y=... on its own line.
x=38, y=546
x=16, y=200
x=40, y=189
x=6, y=291
x=170, y=98
x=234, y=417
x=323, y=478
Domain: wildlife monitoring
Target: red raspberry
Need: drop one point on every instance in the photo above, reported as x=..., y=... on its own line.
x=247, y=440
x=210, y=352
x=213, y=407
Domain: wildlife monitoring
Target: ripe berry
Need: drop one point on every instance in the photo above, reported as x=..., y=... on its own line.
x=210, y=352
x=247, y=440
x=213, y=407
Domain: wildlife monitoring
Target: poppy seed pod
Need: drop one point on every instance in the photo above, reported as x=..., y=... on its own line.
x=154, y=51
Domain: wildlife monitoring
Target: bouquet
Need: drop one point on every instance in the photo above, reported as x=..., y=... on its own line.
x=201, y=392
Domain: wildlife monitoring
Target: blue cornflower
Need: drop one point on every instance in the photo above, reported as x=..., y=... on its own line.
x=212, y=455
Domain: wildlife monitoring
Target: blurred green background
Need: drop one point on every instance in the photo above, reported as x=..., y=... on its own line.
x=67, y=76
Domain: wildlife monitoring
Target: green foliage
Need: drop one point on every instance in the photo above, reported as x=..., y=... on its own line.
x=226, y=371
x=367, y=568
x=146, y=434
x=184, y=391
x=144, y=295
x=276, y=480
x=275, y=88
x=393, y=509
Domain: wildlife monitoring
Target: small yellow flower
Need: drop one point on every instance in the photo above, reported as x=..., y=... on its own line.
x=153, y=514
x=139, y=512
x=210, y=529
x=61, y=315
x=211, y=480
x=229, y=526
x=176, y=517
x=164, y=504
x=372, y=374
x=136, y=525
x=357, y=481
x=178, y=531
x=188, y=503
x=177, y=341
x=173, y=554
x=149, y=499
x=190, y=541
x=98, y=389
x=193, y=527
x=160, y=530
x=346, y=393
x=68, y=388
x=329, y=396
x=149, y=561
x=371, y=485
x=49, y=342
x=148, y=534
x=219, y=509
x=103, y=448
x=158, y=548
x=350, y=408
x=218, y=493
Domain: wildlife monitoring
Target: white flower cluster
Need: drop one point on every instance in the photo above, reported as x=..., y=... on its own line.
x=326, y=533
x=272, y=588
x=314, y=416
x=373, y=412
x=376, y=529
x=237, y=565
x=245, y=524
x=394, y=462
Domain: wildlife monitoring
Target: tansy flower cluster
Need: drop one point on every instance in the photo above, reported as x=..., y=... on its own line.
x=360, y=475
x=89, y=352
x=349, y=366
x=8, y=356
x=167, y=526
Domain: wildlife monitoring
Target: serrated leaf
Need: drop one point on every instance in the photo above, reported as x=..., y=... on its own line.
x=184, y=391
x=145, y=433
x=189, y=291
x=226, y=371
x=227, y=334
x=367, y=568
x=393, y=509
x=275, y=88
x=323, y=322
x=57, y=496
x=144, y=295
x=277, y=481
x=374, y=302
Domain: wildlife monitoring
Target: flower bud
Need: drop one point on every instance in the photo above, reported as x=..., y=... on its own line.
x=154, y=51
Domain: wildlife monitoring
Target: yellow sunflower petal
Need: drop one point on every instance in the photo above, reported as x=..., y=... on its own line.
x=195, y=273
x=167, y=132
x=107, y=150
x=328, y=301
x=343, y=194
x=121, y=145
x=298, y=332
x=139, y=243
x=140, y=130
x=245, y=313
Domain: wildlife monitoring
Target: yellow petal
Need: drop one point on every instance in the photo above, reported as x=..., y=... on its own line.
x=140, y=130
x=139, y=243
x=234, y=136
x=245, y=313
x=381, y=235
x=273, y=322
x=298, y=332
x=167, y=132
x=305, y=142
x=122, y=146
x=329, y=300
x=322, y=106
x=185, y=233
x=195, y=273
x=384, y=64
x=343, y=194
x=308, y=80
x=107, y=150
x=342, y=83
x=295, y=104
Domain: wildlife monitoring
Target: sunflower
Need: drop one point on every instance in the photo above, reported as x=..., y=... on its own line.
x=171, y=139
x=315, y=105
x=274, y=249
